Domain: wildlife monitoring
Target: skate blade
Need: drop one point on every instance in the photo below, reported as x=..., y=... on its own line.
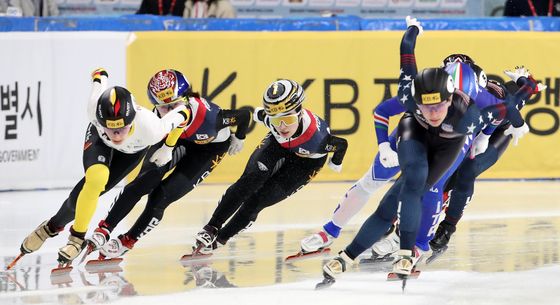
x=392, y=276
x=13, y=263
x=10, y=276
x=327, y=282
x=104, y=265
x=89, y=250
x=61, y=275
x=435, y=255
x=377, y=260
x=189, y=259
x=301, y=255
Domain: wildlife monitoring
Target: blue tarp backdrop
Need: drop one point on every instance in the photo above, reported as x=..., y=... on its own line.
x=337, y=23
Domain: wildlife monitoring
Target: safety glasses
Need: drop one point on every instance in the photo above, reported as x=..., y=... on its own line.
x=288, y=120
x=433, y=108
x=117, y=132
x=165, y=108
x=175, y=101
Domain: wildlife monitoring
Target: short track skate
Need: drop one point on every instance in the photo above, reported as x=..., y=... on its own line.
x=305, y=255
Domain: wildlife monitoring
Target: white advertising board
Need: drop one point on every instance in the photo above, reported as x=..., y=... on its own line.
x=44, y=88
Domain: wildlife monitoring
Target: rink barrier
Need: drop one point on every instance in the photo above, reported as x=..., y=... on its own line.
x=47, y=77
x=345, y=92
x=336, y=23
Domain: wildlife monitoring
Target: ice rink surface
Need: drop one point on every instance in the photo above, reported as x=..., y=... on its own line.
x=506, y=251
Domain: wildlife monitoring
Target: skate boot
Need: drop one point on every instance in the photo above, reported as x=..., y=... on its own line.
x=337, y=265
x=442, y=236
x=206, y=237
x=209, y=249
x=99, y=236
x=200, y=250
x=35, y=240
x=406, y=261
x=76, y=244
x=333, y=268
x=117, y=247
x=316, y=242
x=439, y=243
x=385, y=247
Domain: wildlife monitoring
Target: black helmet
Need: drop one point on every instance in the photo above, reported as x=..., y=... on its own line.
x=283, y=96
x=480, y=74
x=432, y=86
x=115, y=108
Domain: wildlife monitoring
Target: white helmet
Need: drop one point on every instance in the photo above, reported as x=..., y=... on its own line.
x=283, y=96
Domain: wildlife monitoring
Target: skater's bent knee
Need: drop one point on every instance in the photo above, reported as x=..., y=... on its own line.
x=97, y=176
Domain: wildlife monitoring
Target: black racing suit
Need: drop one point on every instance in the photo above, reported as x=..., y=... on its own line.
x=96, y=152
x=274, y=172
x=192, y=163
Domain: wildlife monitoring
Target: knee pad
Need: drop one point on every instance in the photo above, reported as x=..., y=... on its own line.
x=97, y=177
x=415, y=177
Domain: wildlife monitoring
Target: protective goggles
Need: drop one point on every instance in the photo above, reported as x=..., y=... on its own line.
x=177, y=100
x=171, y=105
x=111, y=132
x=434, y=107
x=288, y=120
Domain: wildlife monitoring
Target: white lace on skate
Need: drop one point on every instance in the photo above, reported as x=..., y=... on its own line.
x=206, y=238
x=317, y=241
x=387, y=245
x=113, y=248
x=337, y=265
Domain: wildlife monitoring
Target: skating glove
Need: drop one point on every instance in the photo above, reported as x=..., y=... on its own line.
x=236, y=145
x=162, y=156
x=335, y=167
x=97, y=73
x=519, y=71
x=524, y=72
x=413, y=22
x=387, y=156
x=480, y=144
x=517, y=133
x=540, y=87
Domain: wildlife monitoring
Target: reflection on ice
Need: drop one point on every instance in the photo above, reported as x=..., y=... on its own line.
x=504, y=252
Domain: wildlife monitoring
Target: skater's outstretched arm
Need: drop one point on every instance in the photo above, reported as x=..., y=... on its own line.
x=239, y=118
x=338, y=146
x=408, y=64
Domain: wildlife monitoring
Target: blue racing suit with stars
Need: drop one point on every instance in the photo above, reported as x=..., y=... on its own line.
x=426, y=153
